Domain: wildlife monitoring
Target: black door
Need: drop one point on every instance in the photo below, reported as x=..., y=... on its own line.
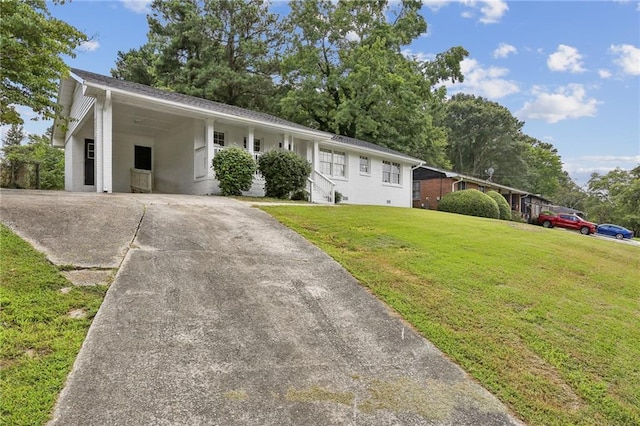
x=89, y=162
x=142, y=157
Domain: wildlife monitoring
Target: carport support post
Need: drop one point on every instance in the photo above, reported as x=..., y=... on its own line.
x=107, y=144
x=97, y=116
x=209, y=142
x=103, y=142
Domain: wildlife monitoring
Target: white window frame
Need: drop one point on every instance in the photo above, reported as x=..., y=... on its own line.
x=366, y=162
x=329, y=160
x=218, y=138
x=389, y=175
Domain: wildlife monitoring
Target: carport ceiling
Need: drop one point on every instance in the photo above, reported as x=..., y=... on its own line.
x=142, y=122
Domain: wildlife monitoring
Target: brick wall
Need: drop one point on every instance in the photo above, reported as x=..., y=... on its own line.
x=431, y=190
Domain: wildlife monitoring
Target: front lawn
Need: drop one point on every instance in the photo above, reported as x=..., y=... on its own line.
x=547, y=320
x=41, y=330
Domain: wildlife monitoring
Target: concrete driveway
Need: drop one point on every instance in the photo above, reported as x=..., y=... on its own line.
x=219, y=315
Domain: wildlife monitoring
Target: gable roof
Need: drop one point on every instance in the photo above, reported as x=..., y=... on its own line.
x=103, y=82
x=424, y=172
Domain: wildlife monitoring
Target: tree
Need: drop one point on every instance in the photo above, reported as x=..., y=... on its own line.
x=35, y=164
x=32, y=44
x=234, y=169
x=544, y=167
x=482, y=135
x=10, y=161
x=221, y=50
x=615, y=197
x=347, y=75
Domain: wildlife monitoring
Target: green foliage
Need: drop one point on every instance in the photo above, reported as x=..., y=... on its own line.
x=615, y=198
x=20, y=163
x=503, y=205
x=338, y=197
x=223, y=51
x=501, y=300
x=347, y=75
x=284, y=172
x=234, y=169
x=39, y=340
x=482, y=135
x=300, y=195
x=32, y=43
x=470, y=202
x=544, y=168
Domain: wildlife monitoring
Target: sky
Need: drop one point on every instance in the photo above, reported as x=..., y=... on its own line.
x=570, y=70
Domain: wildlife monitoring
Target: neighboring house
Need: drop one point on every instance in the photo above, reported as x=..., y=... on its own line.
x=534, y=204
x=431, y=184
x=124, y=137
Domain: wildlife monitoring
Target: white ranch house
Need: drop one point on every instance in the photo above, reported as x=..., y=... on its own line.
x=124, y=137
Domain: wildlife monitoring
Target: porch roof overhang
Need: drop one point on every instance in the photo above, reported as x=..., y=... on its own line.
x=148, y=97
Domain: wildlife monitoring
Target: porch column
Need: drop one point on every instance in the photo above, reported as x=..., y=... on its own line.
x=209, y=144
x=316, y=155
x=250, y=136
x=98, y=141
x=107, y=144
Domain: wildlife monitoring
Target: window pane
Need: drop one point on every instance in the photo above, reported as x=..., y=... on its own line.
x=364, y=164
x=339, y=162
x=218, y=138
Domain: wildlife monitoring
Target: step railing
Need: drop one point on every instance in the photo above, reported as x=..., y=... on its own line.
x=321, y=188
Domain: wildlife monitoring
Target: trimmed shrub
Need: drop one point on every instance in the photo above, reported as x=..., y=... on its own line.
x=503, y=205
x=300, y=195
x=470, y=202
x=234, y=169
x=284, y=172
x=338, y=197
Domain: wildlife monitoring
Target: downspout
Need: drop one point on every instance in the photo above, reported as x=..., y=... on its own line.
x=453, y=185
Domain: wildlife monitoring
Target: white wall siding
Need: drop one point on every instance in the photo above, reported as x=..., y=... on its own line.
x=369, y=189
x=123, y=158
x=173, y=161
x=79, y=109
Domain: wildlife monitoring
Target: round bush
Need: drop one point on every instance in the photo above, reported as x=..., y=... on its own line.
x=470, y=202
x=503, y=205
x=284, y=172
x=234, y=169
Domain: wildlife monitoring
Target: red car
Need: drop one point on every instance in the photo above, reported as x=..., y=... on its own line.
x=569, y=221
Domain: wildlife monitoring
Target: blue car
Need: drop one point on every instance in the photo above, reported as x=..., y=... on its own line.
x=614, y=231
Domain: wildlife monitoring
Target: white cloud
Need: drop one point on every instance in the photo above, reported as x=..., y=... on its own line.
x=604, y=73
x=566, y=58
x=567, y=102
x=408, y=53
x=504, y=50
x=491, y=10
x=486, y=82
x=89, y=46
x=628, y=58
x=138, y=6
x=352, y=36
x=612, y=158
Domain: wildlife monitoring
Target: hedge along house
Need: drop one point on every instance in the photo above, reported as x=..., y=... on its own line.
x=122, y=136
x=431, y=184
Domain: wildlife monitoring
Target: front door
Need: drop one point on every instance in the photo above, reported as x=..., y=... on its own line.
x=89, y=162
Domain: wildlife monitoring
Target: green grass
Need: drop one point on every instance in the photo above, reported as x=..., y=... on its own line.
x=548, y=320
x=38, y=340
